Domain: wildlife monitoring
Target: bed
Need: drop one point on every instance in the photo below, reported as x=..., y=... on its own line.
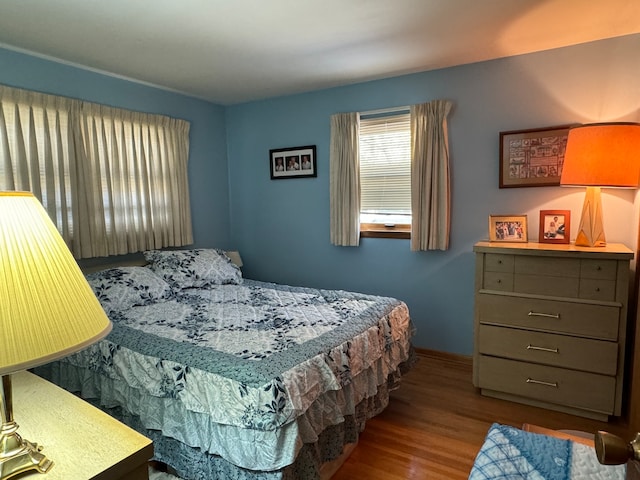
x=513, y=453
x=233, y=378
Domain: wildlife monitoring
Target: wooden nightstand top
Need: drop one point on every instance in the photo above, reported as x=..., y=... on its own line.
x=83, y=442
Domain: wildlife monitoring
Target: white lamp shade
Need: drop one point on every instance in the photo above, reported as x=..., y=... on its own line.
x=47, y=308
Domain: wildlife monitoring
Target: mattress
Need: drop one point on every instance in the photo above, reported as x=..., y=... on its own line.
x=249, y=373
x=511, y=453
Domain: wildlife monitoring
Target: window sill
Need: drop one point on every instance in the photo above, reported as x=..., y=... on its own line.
x=379, y=230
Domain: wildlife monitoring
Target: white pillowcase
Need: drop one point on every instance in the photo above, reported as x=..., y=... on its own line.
x=125, y=287
x=194, y=268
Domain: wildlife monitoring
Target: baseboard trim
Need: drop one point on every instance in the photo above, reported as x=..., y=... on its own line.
x=448, y=356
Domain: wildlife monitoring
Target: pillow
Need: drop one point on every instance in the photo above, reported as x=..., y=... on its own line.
x=120, y=288
x=194, y=268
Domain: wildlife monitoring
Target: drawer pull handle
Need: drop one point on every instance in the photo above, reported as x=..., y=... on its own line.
x=542, y=349
x=547, y=315
x=540, y=382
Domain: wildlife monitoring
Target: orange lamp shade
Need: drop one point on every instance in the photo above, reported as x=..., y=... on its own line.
x=603, y=155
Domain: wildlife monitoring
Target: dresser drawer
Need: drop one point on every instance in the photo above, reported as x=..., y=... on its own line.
x=555, y=286
x=570, y=287
x=564, y=277
x=497, y=262
x=599, y=269
x=501, y=281
x=574, y=318
x=597, y=289
x=588, y=391
x=548, y=266
x=596, y=356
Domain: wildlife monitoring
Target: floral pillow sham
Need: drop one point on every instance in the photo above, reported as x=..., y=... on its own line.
x=195, y=268
x=124, y=287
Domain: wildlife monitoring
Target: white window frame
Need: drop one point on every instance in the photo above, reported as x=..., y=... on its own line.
x=385, y=173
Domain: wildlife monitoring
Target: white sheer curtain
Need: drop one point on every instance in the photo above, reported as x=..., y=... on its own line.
x=136, y=165
x=113, y=181
x=35, y=147
x=344, y=181
x=430, y=178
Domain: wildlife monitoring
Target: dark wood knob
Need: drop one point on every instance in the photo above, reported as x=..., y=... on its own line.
x=611, y=449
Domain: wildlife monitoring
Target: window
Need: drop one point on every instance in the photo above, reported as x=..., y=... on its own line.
x=429, y=179
x=385, y=175
x=113, y=181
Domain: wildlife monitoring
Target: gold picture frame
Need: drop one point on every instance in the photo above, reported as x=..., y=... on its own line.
x=508, y=228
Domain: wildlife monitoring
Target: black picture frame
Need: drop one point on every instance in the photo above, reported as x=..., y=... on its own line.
x=532, y=158
x=293, y=162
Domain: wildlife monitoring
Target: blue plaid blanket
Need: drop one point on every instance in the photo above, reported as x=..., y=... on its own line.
x=511, y=454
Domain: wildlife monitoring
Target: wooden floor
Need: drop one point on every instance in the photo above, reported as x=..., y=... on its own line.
x=436, y=423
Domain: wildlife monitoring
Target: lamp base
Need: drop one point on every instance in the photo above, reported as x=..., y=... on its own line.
x=591, y=229
x=17, y=455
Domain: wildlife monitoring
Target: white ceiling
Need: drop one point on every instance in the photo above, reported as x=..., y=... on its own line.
x=232, y=51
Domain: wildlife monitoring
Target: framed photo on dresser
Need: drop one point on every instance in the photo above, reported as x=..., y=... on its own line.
x=555, y=226
x=508, y=228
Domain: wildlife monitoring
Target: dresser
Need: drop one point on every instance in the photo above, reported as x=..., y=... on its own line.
x=551, y=325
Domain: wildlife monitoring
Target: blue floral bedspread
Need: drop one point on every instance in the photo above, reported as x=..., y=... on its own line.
x=513, y=454
x=249, y=372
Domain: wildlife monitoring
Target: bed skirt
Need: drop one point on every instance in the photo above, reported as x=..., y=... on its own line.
x=192, y=463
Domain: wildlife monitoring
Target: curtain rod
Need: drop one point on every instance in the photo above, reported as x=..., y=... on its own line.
x=386, y=110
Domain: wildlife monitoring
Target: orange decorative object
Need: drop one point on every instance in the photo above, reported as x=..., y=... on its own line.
x=600, y=155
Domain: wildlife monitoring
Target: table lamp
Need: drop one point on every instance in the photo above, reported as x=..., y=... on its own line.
x=47, y=311
x=600, y=155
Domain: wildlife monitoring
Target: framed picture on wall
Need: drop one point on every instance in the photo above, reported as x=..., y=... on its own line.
x=293, y=162
x=555, y=226
x=532, y=158
x=508, y=228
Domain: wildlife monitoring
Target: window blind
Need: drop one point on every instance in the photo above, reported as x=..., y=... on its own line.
x=385, y=164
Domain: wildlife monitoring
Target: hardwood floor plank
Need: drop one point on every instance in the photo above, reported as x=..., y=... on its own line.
x=436, y=423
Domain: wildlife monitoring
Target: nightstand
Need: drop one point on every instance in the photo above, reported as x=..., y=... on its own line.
x=82, y=441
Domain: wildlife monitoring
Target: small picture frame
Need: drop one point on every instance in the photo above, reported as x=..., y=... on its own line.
x=508, y=228
x=294, y=162
x=555, y=226
x=532, y=158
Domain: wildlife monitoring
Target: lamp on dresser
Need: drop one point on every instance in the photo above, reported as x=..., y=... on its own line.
x=600, y=155
x=47, y=311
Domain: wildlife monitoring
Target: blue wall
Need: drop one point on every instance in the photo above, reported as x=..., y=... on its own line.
x=282, y=227
x=208, y=176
